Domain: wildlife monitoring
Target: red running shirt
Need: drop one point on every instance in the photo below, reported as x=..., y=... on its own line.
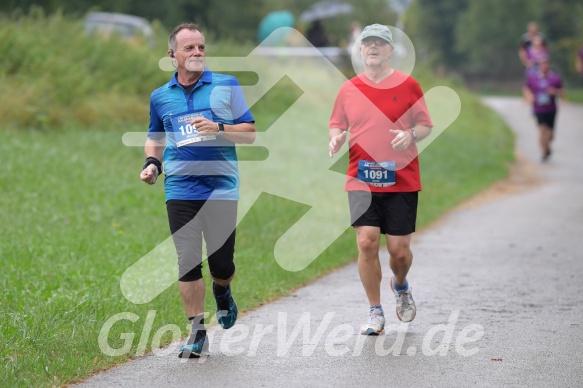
x=368, y=111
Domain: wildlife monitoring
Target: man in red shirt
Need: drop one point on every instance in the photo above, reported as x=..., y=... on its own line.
x=385, y=113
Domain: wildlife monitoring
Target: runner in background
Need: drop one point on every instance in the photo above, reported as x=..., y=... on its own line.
x=542, y=88
x=579, y=61
x=526, y=41
x=536, y=52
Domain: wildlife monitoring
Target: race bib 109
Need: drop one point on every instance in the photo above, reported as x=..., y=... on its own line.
x=186, y=133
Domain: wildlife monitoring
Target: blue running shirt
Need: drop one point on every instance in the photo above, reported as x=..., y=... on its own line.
x=197, y=167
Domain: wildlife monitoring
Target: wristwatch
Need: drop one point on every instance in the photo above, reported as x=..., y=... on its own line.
x=414, y=134
x=221, y=128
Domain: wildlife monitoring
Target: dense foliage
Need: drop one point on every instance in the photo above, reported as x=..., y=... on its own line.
x=478, y=39
x=224, y=19
x=481, y=38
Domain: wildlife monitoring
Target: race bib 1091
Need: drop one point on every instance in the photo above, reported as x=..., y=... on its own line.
x=377, y=174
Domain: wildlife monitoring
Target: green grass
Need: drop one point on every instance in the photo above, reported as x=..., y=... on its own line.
x=573, y=91
x=53, y=75
x=575, y=95
x=474, y=152
x=75, y=216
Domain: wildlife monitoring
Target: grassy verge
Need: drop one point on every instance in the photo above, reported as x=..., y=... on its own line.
x=575, y=95
x=474, y=152
x=52, y=75
x=75, y=216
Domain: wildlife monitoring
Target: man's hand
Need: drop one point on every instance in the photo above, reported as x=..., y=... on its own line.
x=149, y=174
x=205, y=126
x=528, y=95
x=336, y=143
x=553, y=91
x=402, y=141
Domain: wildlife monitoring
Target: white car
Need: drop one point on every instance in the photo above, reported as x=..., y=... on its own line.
x=128, y=27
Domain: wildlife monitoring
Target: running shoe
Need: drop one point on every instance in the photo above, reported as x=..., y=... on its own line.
x=375, y=324
x=226, y=309
x=406, y=309
x=196, y=346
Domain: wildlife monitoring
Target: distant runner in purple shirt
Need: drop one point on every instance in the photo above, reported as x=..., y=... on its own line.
x=536, y=52
x=526, y=42
x=541, y=89
x=579, y=61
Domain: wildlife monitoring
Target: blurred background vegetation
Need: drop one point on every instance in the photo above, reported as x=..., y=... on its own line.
x=477, y=39
x=65, y=78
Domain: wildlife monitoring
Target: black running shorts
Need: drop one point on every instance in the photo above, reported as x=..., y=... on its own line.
x=216, y=221
x=546, y=118
x=394, y=213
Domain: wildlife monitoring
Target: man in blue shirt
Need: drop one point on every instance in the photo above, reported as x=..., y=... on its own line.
x=195, y=121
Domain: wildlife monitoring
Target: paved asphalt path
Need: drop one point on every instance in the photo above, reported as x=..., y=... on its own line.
x=498, y=289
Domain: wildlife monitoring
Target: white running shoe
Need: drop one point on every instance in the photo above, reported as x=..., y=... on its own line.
x=375, y=325
x=406, y=309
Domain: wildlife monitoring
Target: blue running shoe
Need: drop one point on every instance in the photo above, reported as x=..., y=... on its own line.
x=226, y=309
x=195, y=348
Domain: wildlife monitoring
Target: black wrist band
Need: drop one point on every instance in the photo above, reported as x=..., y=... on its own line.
x=154, y=161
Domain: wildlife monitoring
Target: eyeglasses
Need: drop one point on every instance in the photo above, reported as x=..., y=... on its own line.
x=378, y=42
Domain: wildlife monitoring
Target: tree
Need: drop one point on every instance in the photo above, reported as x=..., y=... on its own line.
x=431, y=26
x=490, y=44
x=561, y=22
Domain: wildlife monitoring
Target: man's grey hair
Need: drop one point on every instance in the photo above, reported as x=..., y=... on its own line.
x=177, y=29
